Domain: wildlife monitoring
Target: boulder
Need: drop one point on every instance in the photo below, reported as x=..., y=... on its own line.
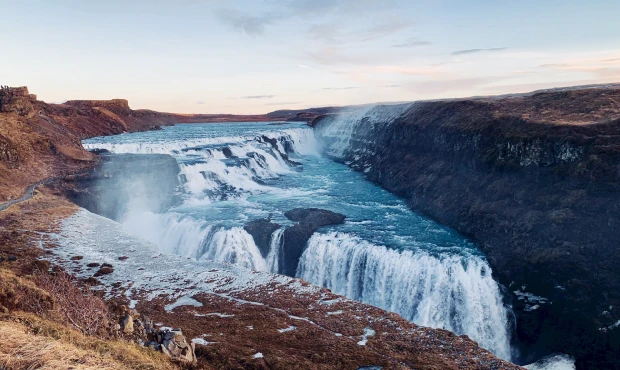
x=127, y=324
x=104, y=270
x=227, y=152
x=314, y=216
x=176, y=346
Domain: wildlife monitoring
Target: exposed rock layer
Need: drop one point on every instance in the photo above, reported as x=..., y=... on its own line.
x=535, y=180
x=295, y=237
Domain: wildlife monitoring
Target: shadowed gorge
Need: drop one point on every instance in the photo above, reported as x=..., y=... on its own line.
x=532, y=179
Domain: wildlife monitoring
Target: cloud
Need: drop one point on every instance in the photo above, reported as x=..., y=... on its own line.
x=389, y=86
x=341, y=88
x=412, y=43
x=314, y=7
x=410, y=71
x=285, y=103
x=446, y=87
x=303, y=66
x=554, y=65
x=249, y=24
x=475, y=51
x=386, y=28
x=256, y=97
x=200, y=102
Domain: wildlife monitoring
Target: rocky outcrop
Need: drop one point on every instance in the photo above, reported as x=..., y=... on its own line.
x=141, y=329
x=314, y=217
x=294, y=238
x=174, y=344
x=17, y=100
x=533, y=179
x=261, y=231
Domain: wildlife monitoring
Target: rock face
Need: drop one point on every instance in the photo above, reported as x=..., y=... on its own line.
x=295, y=237
x=261, y=231
x=534, y=180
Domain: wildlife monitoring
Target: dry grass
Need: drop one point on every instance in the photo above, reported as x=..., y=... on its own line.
x=31, y=342
x=44, y=338
x=22, y=350
x=73, y=304
x=17, y=293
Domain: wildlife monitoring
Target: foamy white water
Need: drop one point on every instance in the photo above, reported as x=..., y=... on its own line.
x=556, y=362
x=384, y=255
x=448, y=292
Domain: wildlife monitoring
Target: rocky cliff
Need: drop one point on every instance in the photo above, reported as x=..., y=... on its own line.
x=533, y=179
x=40, y=140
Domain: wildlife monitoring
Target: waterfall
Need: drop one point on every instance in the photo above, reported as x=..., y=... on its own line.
x=189, y=237
x=450, y=292
x=275, y=248
x=437, y=289
x=209, y=174
x=336, y=131
x=300, y=140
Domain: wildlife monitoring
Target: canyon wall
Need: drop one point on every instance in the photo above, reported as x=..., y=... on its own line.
x=534, y=180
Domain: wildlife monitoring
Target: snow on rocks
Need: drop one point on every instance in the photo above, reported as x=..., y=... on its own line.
x=368, y=332
x=183, y=301
x=290, y=328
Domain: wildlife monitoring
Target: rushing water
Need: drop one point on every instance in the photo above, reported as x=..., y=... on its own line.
x=384, y=254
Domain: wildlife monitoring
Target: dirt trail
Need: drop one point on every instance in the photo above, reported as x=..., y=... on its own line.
x=27, y=194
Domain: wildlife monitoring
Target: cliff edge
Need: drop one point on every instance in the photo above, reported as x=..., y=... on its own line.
x=533, y=179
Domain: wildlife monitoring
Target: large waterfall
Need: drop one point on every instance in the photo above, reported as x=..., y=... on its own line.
x=384, y=254
x=450, y=292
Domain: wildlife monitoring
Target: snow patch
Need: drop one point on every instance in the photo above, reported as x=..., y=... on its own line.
x=183, y=301
x=223, y=315
x=290, y=328
x=368, y=332
x=201, y=341
x=339, y=312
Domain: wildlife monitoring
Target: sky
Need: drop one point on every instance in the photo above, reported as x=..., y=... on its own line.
x=256, y=56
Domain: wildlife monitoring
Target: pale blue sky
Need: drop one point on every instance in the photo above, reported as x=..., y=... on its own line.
x=213, y=56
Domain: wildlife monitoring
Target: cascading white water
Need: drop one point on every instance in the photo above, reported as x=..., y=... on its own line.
x=275, y=246
x=448, y=292
x=455, y=292
x=340, y=128
x=208, y=171
x=184, y=236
